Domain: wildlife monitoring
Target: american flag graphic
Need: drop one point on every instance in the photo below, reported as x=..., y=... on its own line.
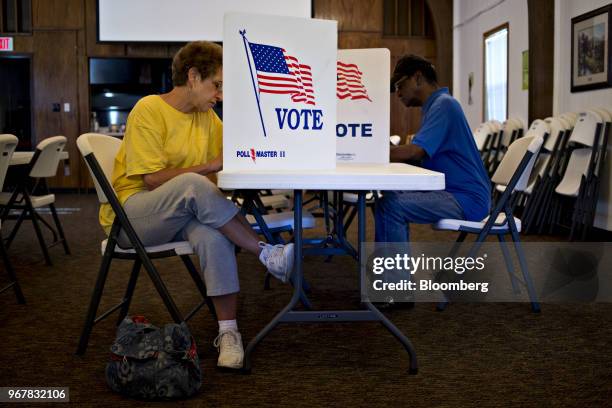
x=279, y=73
x=349, y=83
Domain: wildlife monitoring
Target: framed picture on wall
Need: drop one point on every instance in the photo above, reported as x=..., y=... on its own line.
x=591, y=58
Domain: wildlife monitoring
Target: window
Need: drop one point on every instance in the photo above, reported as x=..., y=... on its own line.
x=15, y=16
x=407, y=18
x=496, y=74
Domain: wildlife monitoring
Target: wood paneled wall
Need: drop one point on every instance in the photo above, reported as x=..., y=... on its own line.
x=64, y=38
x=62, y=41
x=541, y=57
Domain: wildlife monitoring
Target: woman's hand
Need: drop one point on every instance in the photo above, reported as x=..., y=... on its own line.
x=215, y=164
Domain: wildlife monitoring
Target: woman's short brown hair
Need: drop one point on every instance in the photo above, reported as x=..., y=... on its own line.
x=204, y=56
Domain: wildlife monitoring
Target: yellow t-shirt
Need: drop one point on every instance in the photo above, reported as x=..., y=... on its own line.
x=159, y=137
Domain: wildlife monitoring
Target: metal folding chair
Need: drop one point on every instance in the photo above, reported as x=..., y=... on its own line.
x=43, y=165
x=99, y=152
x=513, y=172
x=8, y=143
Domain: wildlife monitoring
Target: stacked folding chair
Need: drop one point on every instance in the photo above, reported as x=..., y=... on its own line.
x=512, y=129
x=482, y=137
x=542, y=172
x=538, y=128
x=579, y=185
x=543, y=200
x=487, y=139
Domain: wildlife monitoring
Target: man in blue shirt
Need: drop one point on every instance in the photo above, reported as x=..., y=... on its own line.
x=444, y=143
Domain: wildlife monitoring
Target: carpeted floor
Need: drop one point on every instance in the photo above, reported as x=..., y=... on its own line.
x=469, y=355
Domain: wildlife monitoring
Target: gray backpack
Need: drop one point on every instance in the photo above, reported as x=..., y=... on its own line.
x=152, y=363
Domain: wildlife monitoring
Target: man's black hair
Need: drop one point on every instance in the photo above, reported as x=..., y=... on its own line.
x=408, y=65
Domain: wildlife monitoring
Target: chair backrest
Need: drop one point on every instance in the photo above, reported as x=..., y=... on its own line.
x=604, y=113
x=47, y=157
x=577, y=167
x=538, y=127
x=104, y=149
x=511, y=163
x=567, y=124
x=570, y=117
x=587, y=127
x=556, y=127
x=481, y=134
x=495, y=125
x=8, y=144
x=511, y=128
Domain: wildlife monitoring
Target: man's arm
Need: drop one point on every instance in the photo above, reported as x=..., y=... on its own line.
x=407, y=153
x=154, y=180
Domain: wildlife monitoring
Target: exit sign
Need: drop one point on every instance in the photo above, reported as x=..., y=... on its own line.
x=6, y=43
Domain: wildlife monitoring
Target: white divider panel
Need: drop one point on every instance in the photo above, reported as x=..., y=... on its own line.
x=363, y=106
x=279, y=82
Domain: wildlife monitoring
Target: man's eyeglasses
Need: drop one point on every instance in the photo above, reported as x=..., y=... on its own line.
x=399, y=83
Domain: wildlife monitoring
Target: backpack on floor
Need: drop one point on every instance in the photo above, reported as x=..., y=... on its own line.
x=152, y=363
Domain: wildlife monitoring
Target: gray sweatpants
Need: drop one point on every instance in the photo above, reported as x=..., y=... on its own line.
x=190, y=208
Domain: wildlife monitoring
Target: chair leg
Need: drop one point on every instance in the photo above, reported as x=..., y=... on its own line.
x=60, y=230
x=535, y=305
x=129, y=291
x=95, y=298
x=349, y=219
x=267, y=281
x=11, y=274
x=46, y=224
x=199, y=283
x=16, y=227
x=509, y=266
x=39, y=235
x=441, y=306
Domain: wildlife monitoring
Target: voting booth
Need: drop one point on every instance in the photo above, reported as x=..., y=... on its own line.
x=279, y=76
x=362, y=131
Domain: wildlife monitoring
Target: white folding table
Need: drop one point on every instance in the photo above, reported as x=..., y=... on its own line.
x=345, y=177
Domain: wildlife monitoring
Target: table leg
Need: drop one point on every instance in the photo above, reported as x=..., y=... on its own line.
x=361, y=221
x=288, y=315
x=297, y=281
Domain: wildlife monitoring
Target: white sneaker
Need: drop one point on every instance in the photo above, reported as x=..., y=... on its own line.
x=278, y=259
x=231, y=353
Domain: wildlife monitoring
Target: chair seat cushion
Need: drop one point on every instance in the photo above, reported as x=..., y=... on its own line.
x=500, y=225
x=180, y=247
x=282, y=220
x=37, y=201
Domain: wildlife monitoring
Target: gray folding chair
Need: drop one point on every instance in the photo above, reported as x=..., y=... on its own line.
x=42, y=166
x=99, y=152
x=513, y=172
x=8, y=143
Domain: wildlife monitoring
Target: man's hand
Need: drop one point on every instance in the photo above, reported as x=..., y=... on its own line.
x=409, y=153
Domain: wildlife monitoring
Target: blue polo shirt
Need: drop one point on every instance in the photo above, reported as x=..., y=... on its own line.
x=448, y=141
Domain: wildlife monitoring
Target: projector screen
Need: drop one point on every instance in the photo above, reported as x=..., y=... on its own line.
x=181, y=20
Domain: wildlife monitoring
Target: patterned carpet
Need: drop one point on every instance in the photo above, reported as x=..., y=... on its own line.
x=469, y=355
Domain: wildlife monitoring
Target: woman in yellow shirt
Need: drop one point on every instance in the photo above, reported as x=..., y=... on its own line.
x=172, y=142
